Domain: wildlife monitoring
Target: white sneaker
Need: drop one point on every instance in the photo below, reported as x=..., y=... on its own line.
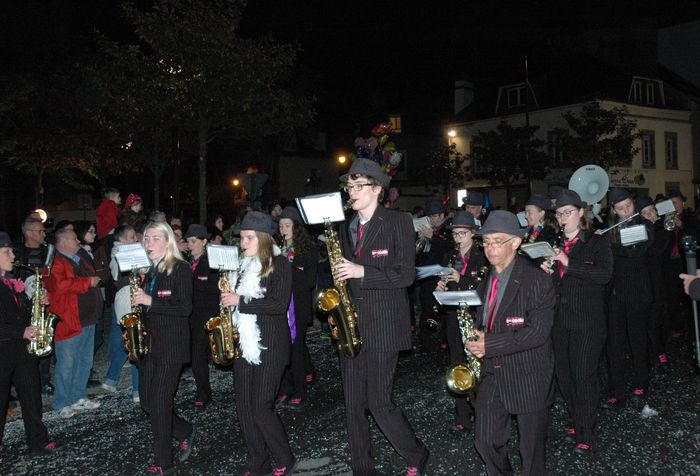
x=136, y=399
x=66, y=412
x=85, y=404
x=109, y=388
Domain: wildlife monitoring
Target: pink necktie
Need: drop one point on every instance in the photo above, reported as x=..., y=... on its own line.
x=567, y=247
x=492, y=302
x=360, y=232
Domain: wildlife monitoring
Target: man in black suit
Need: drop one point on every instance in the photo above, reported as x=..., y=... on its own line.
x=518, y=361
x=378, y=264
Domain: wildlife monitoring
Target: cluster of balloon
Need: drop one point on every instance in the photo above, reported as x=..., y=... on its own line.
x=379, y=148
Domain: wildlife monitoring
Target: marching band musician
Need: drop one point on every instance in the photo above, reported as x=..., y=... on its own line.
x=630, y=299
x=262, y=294
x=378, y=264
x=474, y=204
x=302, y=255
x=580, y=272
x=167, y=303
x=541, y=224
x=205, y=304
x=17, y=366
x=466, y=260
x=518, y=364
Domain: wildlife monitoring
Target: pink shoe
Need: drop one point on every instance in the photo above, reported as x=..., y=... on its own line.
x=663, y=358
x=638, y=392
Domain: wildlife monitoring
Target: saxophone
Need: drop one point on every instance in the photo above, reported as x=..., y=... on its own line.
x=337, y=302
x=223, y=337
x=42, y=319
x=134, y=328
x=464, y=378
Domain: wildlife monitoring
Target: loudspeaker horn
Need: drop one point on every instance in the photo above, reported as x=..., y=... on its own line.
x=591, y=182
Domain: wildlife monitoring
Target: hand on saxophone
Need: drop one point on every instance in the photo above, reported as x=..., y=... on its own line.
x=347, y=269
x=44, y=298
x=30, y=333
x=140, y=297
x=477, y=347
x=230, y=299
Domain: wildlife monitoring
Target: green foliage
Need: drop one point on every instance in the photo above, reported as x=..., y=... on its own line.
x=448, y=168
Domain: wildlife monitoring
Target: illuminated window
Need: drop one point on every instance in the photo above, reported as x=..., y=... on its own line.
x=395, y=123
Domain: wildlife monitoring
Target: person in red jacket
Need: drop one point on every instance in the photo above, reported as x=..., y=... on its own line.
x=107, y=212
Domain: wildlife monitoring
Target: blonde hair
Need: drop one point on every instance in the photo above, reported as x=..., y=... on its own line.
x=172, y=253
x=265, y=253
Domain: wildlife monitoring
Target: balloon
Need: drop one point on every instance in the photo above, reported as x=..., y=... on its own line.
x=383, y=139
x=381, y=129
x=395, y=158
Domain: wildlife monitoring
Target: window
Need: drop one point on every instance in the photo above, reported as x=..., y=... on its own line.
x=671, y=150
x=395, y=120
x=555, y=146
x=637, y=91
x=650, y=93
x=516, y=96
x=648, y=152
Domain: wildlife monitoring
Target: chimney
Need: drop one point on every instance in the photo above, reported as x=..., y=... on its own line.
x=464, y=95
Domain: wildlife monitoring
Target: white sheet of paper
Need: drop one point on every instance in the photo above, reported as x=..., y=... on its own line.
x=665, y=207
x=223, y=257
x=431, y=270
x=132, y=256
x=316, y=209
x=422, y=221
x=522, y=219
x=457, y=298
x=633, y=234
x=541, y=249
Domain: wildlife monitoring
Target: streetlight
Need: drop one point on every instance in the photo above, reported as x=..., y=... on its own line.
x=235, y=182
x=342, y=159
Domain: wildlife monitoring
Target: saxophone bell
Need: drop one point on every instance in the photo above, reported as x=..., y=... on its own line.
x=223, y=334
x=670, y=221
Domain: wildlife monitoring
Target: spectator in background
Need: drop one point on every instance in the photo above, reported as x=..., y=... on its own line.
x=107, y=212
x=217, y=237
x=157, y=216
x=133, y=210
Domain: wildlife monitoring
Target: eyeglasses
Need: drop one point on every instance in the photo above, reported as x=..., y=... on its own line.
x=38, y=231
x=565, y=213
x=460, y=233
x=496, y=243
x=356, y=186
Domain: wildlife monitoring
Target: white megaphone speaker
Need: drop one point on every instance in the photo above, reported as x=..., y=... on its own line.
x=590, y=182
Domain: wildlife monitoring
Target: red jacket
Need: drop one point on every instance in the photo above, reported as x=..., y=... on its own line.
x=106, y=217
x=63, y=287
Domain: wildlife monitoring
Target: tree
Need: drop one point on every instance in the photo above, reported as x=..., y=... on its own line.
x=604, y=137
x=507, y=155
x=448, y=168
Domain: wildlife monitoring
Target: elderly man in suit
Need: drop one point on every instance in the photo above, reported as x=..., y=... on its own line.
x=516, y=348
x=379, y=265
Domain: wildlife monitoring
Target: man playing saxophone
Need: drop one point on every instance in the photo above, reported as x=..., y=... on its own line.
x=379, y=265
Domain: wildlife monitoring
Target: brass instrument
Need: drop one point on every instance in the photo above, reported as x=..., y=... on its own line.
x=42, y=319
x=670, y=221
x=134, y=328
x=463, y=379
x=224, y=337
x=421, y=242
x=431, y=322
x=336, y=301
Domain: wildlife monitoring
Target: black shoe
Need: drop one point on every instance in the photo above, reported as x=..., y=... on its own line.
x=185, y=447
x=420, y=469
x=45, y=451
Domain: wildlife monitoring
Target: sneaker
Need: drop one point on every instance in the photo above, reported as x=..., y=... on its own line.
x=67, y=412
x=310, y=377
x=281, y=400
x=570, y=435
x=419, y=470
x=136, y=398
x=85, y=404
x=638, y=393
x=663, y=358
x=46, y=450
x=614, y=403
x=295, y=403
x=153, y=469
x=284, y=470
x=462, y=428
x=583, y=449
x=185, y=447
x=108, y=387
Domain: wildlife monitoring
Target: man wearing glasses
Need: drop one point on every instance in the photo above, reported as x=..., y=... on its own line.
x=515, y=345
x=379, y=265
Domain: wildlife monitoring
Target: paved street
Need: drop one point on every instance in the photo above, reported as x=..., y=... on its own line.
x=116, y=439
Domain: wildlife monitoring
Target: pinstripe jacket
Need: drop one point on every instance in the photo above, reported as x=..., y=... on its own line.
x=519, y=349
x=380, y=297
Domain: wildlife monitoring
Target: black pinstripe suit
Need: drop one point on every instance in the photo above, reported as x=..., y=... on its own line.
x=579, y=330
x=256, y=386
x=381, y=303
x=169, y=342
x=517, y=372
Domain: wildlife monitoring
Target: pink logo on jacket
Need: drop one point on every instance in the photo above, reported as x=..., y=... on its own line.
x=515, y=321
x=379, y=253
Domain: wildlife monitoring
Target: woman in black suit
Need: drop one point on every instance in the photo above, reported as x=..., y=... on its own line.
x=260, y=300
x=465, y=260
x=166, y=298
x=541, y=223
x=300, y=252
x=580, y=272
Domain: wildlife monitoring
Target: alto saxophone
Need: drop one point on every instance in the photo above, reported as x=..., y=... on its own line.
x=132, y=322
x=223, y=338
x=337, y=302
x=42, y=319
x=464, y=378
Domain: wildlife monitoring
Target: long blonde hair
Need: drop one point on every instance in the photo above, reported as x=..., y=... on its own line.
x=172, y=253
x=265, y=253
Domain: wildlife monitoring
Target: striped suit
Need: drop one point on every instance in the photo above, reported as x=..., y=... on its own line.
x=517, y=371
x=381, y=302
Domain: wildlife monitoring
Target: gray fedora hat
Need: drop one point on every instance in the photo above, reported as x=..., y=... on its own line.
x=291, y=213
x=368, y=168
x=463, y=220
x=5, y=241
x=540, y=201
x=501, y=221
x=474, y=198
x=198, y=231
x=569, y=197
x=259, y=221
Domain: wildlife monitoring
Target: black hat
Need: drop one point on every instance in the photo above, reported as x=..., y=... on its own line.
x=677, y=193
x=368, y=168
x=259, y=221
x=540, y=201
x=197, y=231
x=474, y=198
x=434, y=207
x=463, y=220
x=555, y=191
x=501, y=221
x=618, y=194
x=5, y=241
x=291, y=213
x=644, y=202
x=569, y=197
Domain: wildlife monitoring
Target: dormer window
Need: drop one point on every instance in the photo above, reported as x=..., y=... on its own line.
x=514, y=96
x=647, y=91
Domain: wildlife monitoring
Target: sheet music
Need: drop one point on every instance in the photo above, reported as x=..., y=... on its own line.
x=633, y=234
x=132, y=256
x=541, y=249
x=419, y=222
x=223, y=257
x=522, y=219
x=316, y=209
x=431, y=270
x=457, y=298
x=665, y=207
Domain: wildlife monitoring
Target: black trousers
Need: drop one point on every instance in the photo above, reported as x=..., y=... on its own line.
x=22, y=371
x=368, y=381
x=679, y=306
x=576, y=361
x=463, y=410
x=427, y=300
x=294, y=380
x=492, y=433
x=200, y=350
x=255, y=389
x=627, y=324
x=658, y=315
x=157, y=388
